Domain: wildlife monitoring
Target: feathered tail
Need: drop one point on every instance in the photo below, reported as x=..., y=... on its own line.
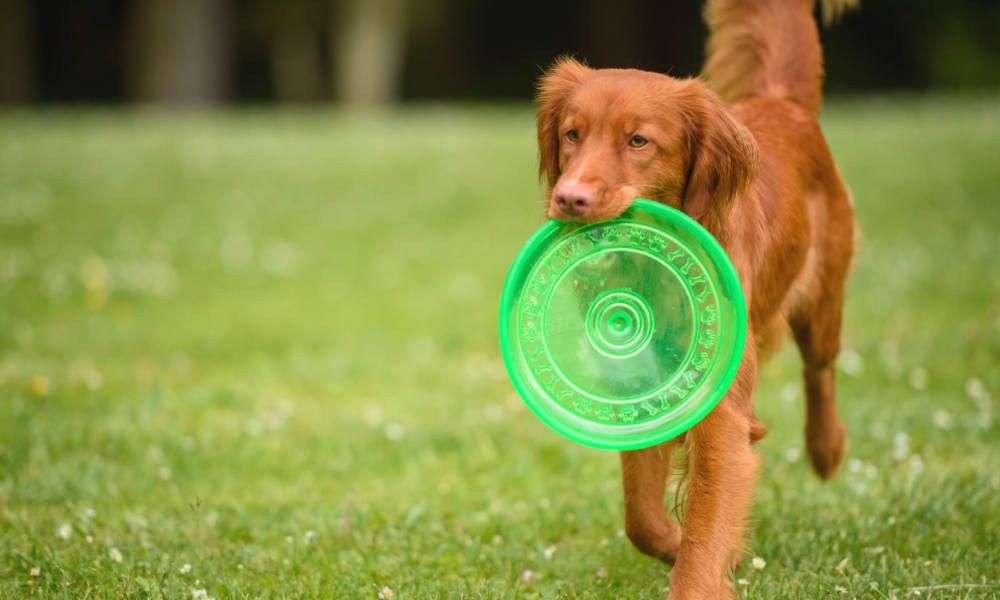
x=767, y=48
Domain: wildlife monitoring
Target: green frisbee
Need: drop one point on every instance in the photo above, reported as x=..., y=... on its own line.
x=625, y=333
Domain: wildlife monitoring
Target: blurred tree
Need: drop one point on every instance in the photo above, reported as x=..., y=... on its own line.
x=17, y=51
x=918, y=44
x=614, y=31
x=295, y=30
x=371, y=51
x=463, y=49
x=179, y=51
x=368, y=44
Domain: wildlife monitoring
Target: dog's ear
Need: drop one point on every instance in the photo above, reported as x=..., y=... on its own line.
x=554, y=89
x=723, y=158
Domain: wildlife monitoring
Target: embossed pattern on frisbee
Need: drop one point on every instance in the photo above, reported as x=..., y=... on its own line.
x=625, y=333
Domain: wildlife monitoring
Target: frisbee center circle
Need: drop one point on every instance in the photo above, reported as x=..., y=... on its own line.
x=619, y=323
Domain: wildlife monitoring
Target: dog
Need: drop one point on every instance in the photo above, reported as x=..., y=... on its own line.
x=741, y=152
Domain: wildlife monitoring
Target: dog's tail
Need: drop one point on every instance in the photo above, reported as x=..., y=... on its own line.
x=767, y=48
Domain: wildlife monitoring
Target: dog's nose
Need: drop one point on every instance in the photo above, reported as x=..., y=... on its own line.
x=574, y=198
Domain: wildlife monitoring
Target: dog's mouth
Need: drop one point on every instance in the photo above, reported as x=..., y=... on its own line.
x=607, y=204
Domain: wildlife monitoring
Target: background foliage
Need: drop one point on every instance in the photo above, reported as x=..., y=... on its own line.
x=373, y=51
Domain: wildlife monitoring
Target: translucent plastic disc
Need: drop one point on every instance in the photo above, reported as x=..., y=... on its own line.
x=625, y=333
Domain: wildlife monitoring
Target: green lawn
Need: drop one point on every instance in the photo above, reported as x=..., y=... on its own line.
x=263, y=344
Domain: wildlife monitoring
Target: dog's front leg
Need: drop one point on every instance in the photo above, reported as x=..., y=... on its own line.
x=644, y=480
x=721, y=474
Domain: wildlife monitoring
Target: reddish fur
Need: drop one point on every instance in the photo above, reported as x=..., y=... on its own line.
x=757, y=173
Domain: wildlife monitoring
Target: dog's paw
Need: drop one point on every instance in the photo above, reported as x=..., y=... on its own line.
x=660, y=540
x=826, y=448
x=724, y=592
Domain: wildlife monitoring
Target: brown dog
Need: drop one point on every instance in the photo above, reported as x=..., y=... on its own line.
x=758, y=174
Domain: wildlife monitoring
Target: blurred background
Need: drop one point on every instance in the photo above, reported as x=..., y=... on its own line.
x=379, y=51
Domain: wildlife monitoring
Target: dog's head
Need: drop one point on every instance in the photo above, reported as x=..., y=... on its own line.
x=608, y=136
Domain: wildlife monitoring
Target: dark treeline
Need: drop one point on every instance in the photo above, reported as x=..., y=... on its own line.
x=370, y=51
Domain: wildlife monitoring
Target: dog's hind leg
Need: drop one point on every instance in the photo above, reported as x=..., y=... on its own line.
x=816, y=326
x=818, y=341
x=644, y=479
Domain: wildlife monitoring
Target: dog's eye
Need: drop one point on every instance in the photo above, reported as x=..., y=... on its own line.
x=637, y=141
x=572, y=136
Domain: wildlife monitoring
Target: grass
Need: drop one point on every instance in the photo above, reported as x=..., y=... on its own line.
x=264, y=344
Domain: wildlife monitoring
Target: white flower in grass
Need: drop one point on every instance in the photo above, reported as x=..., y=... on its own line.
x=35, y=571
x=841, y=565
x=185, y=568
x=372, y=415
x=65, y=531
x=386, y=593
x=550, y=552
x=115, y=555
x=308, y=536
x=89, y=513
x=526, y=576
x=850, y=362
x=792, y=454
x=90, y=539
x=758, y=563
x=494, y=413
x=840, y=589
x=942, y=419
x=254, y=428
x=975, y=389
x=901, y=445
x=743, y=581
x=394, y=432
x=199, y=594
x=789, y=392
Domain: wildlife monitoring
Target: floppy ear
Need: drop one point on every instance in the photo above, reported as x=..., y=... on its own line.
x=554, y=89
x=723, y=159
